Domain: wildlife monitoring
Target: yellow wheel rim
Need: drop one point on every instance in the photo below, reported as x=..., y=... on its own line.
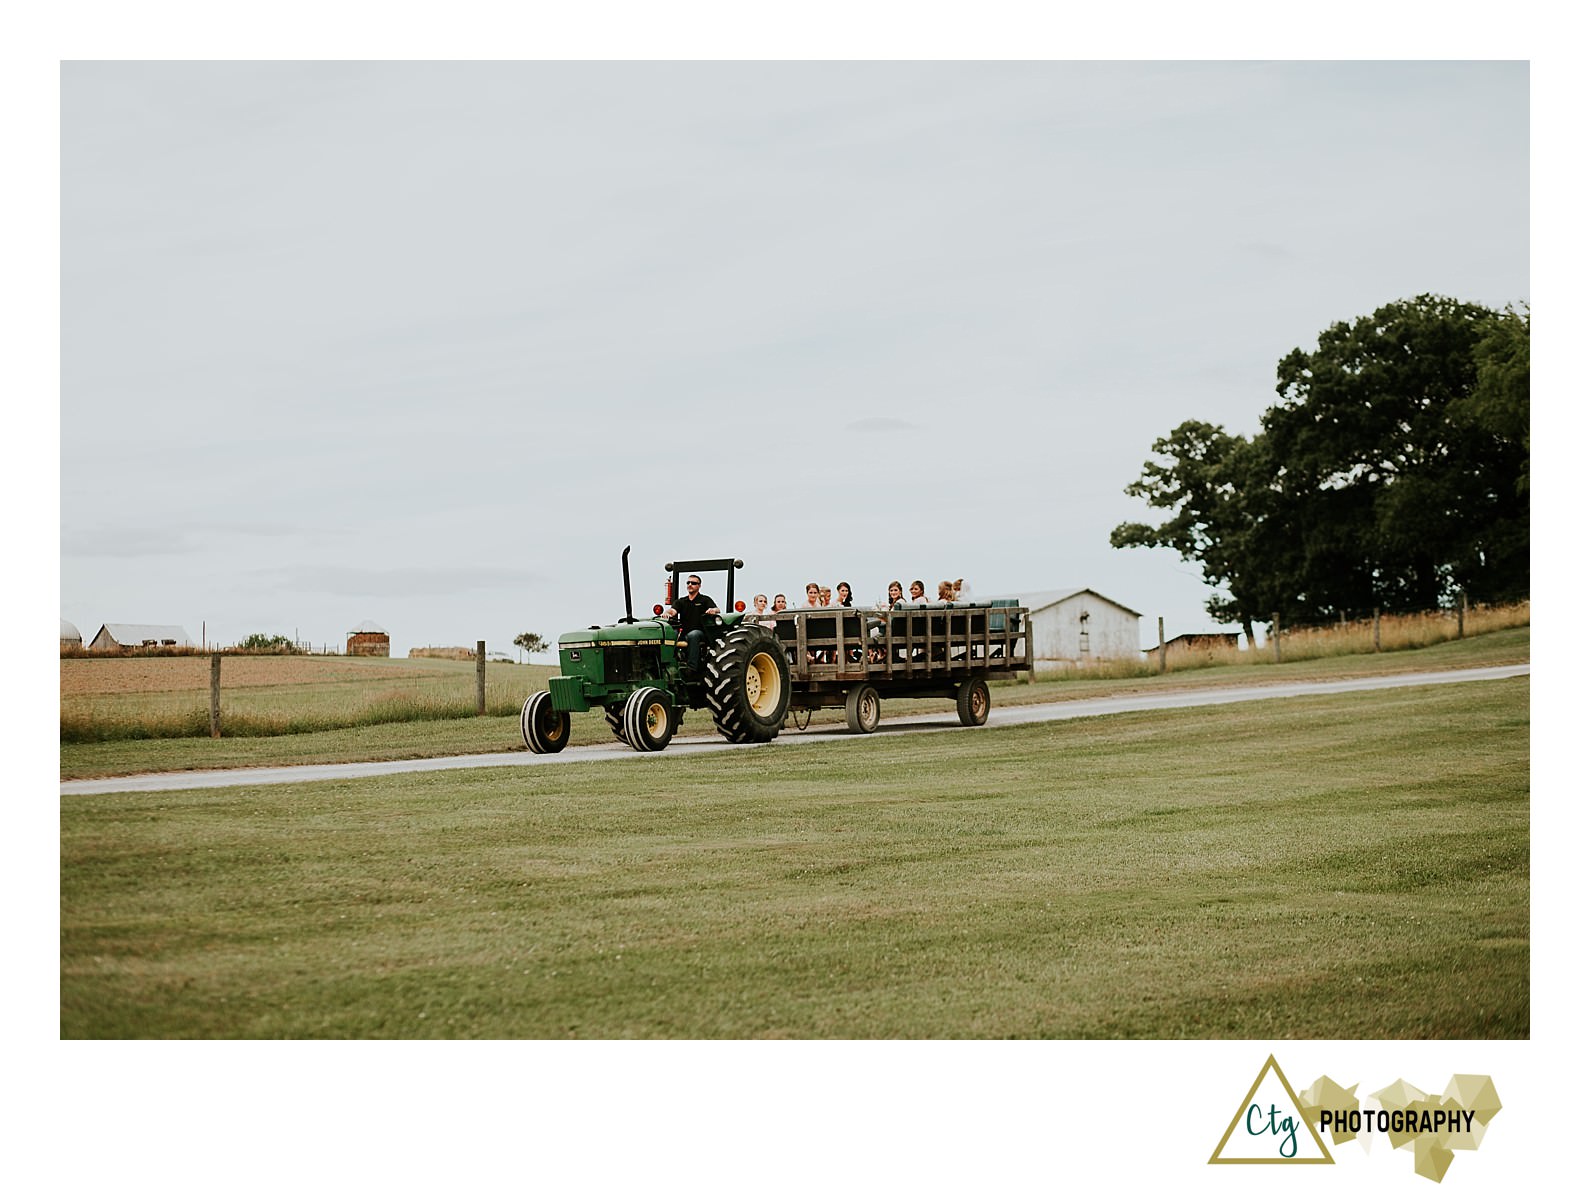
x=657, y=719
x=762, y=690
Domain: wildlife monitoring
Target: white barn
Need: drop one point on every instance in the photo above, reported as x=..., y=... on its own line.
x=70, y=637
x=118, y=637
x=1078, y=625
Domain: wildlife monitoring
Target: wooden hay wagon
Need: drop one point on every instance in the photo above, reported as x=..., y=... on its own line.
x=855, y=658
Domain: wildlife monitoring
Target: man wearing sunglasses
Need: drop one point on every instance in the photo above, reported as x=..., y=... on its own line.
x=695, y=613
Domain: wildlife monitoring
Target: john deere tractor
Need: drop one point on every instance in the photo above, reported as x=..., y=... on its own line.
x=636, y=671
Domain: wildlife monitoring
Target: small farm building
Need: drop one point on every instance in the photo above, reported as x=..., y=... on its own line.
x=1077, y=625
x=370, y=640
x=1198, y=643
x=69, y=635
x=134, y=637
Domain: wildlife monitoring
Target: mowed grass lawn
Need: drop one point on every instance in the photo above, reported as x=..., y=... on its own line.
x=1334, y=867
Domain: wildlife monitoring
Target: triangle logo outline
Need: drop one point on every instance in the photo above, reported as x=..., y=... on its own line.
x=1297, y=1107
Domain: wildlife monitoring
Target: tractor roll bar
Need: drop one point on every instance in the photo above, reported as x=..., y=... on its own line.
x=684, y=567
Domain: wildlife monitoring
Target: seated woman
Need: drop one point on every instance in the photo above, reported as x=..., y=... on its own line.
x=875, y=624
x=759, y=613
x=842, y=599
x=814, y=599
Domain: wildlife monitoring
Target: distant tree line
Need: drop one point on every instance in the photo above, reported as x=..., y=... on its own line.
x=1392, y=474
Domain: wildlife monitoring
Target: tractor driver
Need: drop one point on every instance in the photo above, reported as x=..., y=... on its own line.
x=695, y=613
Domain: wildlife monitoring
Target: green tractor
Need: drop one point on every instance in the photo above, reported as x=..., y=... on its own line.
x=637, y=672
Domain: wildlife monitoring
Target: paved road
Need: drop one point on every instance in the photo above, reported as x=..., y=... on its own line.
x=1025, y=714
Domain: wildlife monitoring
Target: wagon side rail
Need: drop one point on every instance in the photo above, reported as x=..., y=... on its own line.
x=920, y=645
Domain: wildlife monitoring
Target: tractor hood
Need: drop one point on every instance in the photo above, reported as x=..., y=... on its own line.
x=641, y=633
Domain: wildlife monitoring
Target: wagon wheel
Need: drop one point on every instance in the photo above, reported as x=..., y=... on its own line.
x=971, y=702
x=862, y=709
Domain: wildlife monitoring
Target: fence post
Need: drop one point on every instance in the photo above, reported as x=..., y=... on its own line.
x=1377, y=631
x=1463, y=602
x=1162, y=645
x=215, y=695
x=1275, y=635
x=480, y=679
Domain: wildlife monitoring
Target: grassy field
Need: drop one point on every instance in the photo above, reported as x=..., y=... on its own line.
x=1335, y=867
x=356, y=683
x=123, y=698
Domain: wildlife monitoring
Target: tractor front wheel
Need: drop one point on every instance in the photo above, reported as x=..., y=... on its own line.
x=545, y=730
x=648, y=719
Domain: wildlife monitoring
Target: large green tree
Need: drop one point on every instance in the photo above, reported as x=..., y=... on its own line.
x=1393, y=472
x=1214, y=486
x=1399, y=485
x=1496, y=417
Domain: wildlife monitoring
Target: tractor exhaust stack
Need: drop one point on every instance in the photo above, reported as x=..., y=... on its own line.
x=629, y=601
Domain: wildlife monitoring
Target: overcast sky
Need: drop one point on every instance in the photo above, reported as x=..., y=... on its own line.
x=428, y=345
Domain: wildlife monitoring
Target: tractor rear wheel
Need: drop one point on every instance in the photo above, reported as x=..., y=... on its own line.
x=971, y=702
x=648, y=719
x=545, y=730
x=862, y=708
x=748, y=687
